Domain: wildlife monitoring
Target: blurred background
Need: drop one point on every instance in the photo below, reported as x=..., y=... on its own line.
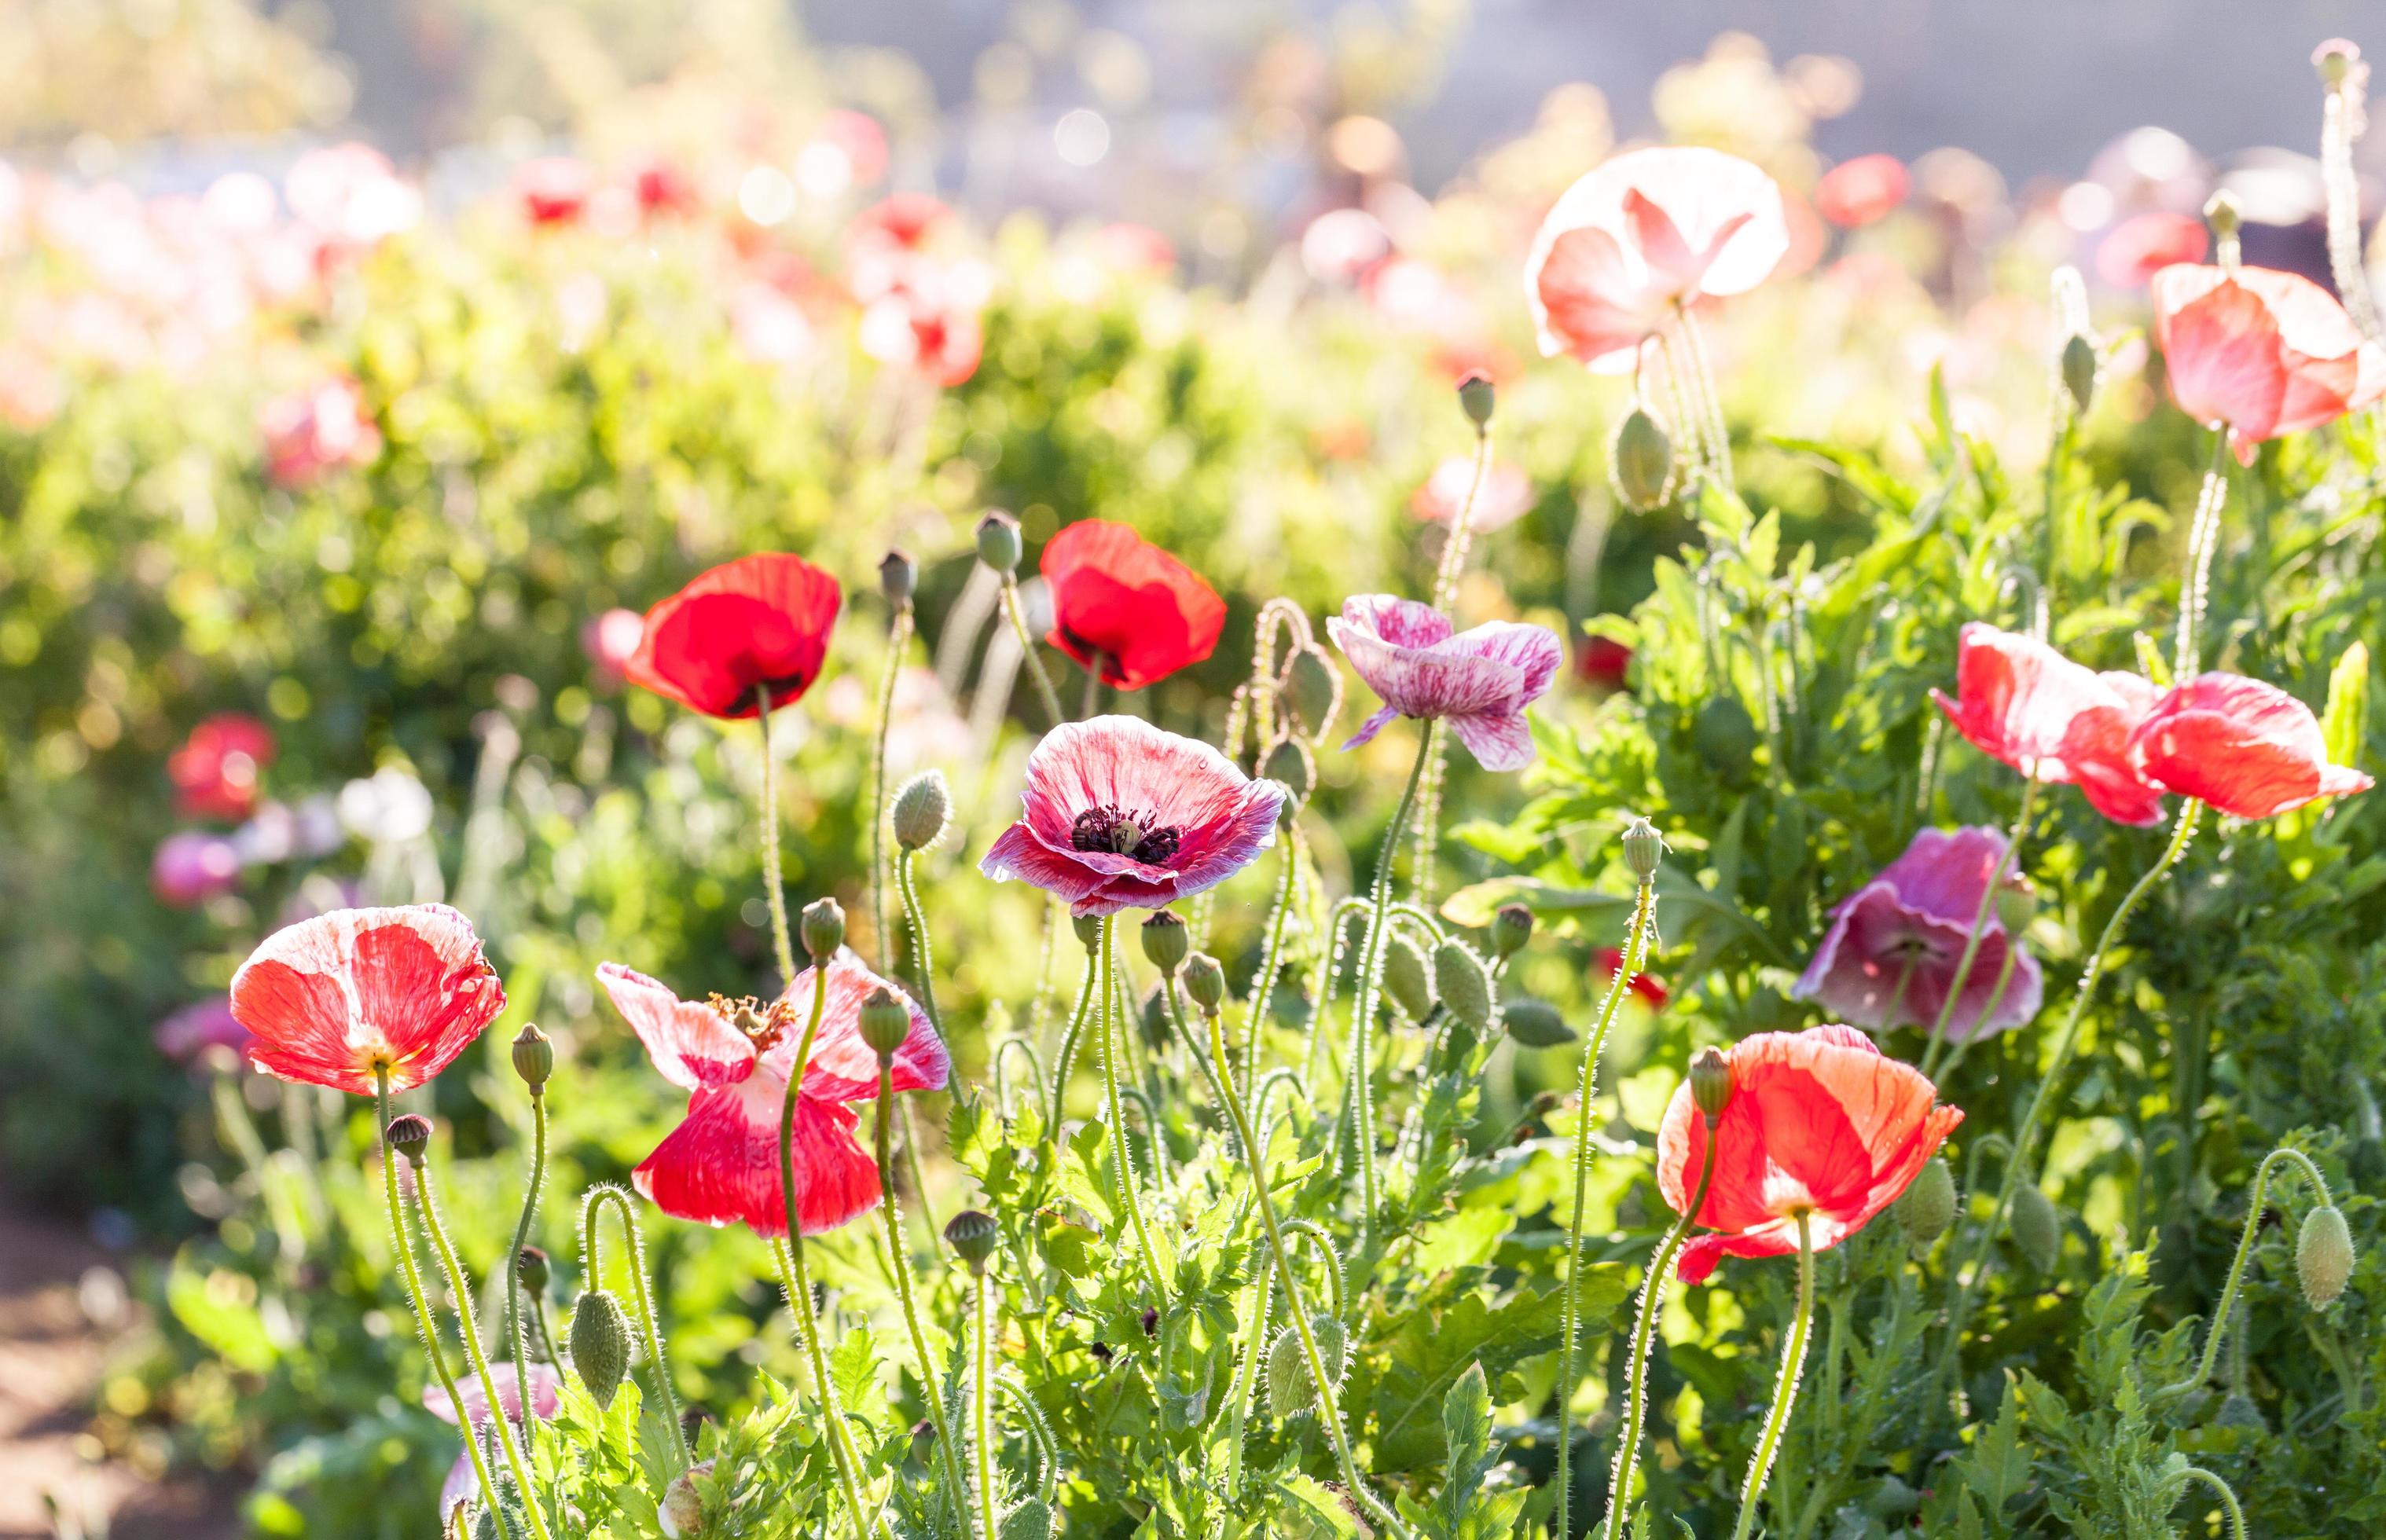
x=366, y=366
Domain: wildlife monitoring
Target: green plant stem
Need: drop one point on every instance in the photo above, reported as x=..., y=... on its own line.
x=240, y=1131
x=1122, y=1158
x=641, y=1295
x=1709, y=404
x=1270, y=959
x=1980, y=913
x=2223, y=1316
x=919, y=1173
x=1636, y=953
x=898, y=1267
x=2220, y=1489
x=513, y=1268
x=1636, y=1377
x=2202, y=535
x=1946, y=1069
x=402, y=1247
x=920, y=951
x=898, y=642
x=1069, y=1039
x=779, y=938
x=1016, y=611
x=1253, y=1323
x=982, y=1399
x=1371, y=978
x=1785, y=1391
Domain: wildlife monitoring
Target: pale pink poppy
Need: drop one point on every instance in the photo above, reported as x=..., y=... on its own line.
x=2265, y=353
x=2018, y=699
x=1507, y=494
x=1479, y=681
x=311, y=432
x=545, y=1395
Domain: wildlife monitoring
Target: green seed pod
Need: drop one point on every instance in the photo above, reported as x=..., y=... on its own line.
x=2324, y=1256
x=683, y=1509
x=2334, y=61
x=822, y=928
x=1290, y=1390
x=1710, y=1082
x=923, y=807
x=1536, y=1024
x=1478, y=398
x=600, y=1344
x=1291, y=766
x=1511, y=928
x=1641, y=462
x=886, y=1022
x=2078, y=366
x=1165, y=942
x=1464, y=986
x=997, y=542
x=407, y=1133
x=1405, y=979
x=1928, y=1206
x=1725, y=735
x=1312, y=688
x=1205, y=982
x=2220, y=211
x=533, y=1055
x=972, y=1236
x=2017, y=904
x=898, y=575
x=1031, y=1520
x=1643, y=848
x=2036, y=1228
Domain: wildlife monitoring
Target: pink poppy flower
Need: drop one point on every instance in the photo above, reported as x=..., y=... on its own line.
x=1647, y=232
x=191, y=866
x=2143, y=244
x=545, y=1395
x=311, y=431
x=1479, y=681
x=1863, y=191
x=1120, y=815
x=2265, y=353
x=2020, y=701
x=332, y=999
x=554, y=189
x=721, y=1165
x=197, y=1027
x=1507, y=494
x=1910, y=923
x=2248, y=748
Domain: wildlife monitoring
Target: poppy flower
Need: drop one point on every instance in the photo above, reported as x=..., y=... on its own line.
x=215, y=771
x=1120, y=815
x=1820, y=1123
x=758, y=621
x=2248, y=748
x=721, y=1165
x=1910, y=923
x=332, y=999
x=922, y=327
x=2263, y=353
x=2143, y=244
x=2020, y=701
x=1610, y=962
x=1124, y=606
x=312, y=432
x=193, y=1030
x=1863, y=191
x=1602, y=662
x=546, y=1396
x=191, y=866
x=1647, y=233
x=1479, y=681
x=1507, y=494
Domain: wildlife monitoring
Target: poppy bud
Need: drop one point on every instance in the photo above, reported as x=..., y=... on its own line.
x=2334, y=59
x=683, y=1509
x=897, y=575
x=1149, y=1321
x=2079, y=370
x=2324, y=1256
x=884, y=1023
x=1928, y=1206
x=2017, y=904
x=1165, y=942
x=407, y=1133
x=2037, y=1229
x=1205, y=982
x=997, y=542
x=1290, y=1390
x=972, y=1235
x=1088, y=928
x=1405, y=979
x=824, y=928
x=1641, y=462
x=1313, y=687
x=923, y=1439
x=1476, y=398
x=1031, y=1520
x=533, y=1055
x=1710, y=1082
x=1460, y=978
x=1643, y=849
x=600, y=1345
x=1154, y=1016
x=923, y=807
x=1511, y=928
x=1536, y=1024
x=2221, y=213
x=531, y=1266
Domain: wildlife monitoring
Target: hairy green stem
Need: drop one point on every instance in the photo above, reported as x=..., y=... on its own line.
x=2220, y=1489
x=1122, y=1158
x=513, y=1268
x=898, y=642
x=1016, y=611
x=641, y=1295
x=1636, y=1375
x=1785, y=1391
x=1370, y=979
x=1270, y=959
x=779, y=938
x=1936, y=1043
x=898, y=1267
x=982, y=1397
x=2223, y=1317
x=2202, y=535
x=1070, y=1036
x=920, y=952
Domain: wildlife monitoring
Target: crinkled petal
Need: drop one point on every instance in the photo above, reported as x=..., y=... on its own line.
x=843, y=1067
x=692, y=1044
x=721, y=1165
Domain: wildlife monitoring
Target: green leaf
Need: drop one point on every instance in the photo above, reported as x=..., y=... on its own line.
x=2347, y=720
x=1473, y=905
x=1315, y=1510
x=1429, y=1348
x=1466, y=1429
x=220, y=1309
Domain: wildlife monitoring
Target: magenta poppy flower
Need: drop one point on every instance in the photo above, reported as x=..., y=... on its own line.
x=2020, y=701
x=197, y=1027
x=721, y=1165
x=2248, y=748
x=545, y=1395
x=1120, y=815
x=1479, y=681
x=1910, y=922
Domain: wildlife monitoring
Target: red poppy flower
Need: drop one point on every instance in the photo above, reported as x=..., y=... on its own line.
x=758, y=621
x=2143, y=244
x=2027, y=705
x=1862, y=191
x=1610, y=962
x=721, y=1165
x=554, y=189
x=1120, y=815
x=1123, y=605
x=215, y=771
x=1602, y=662
x=331, y=999
x=2265, y=353
x=2248, y=748
x=1819, y=1123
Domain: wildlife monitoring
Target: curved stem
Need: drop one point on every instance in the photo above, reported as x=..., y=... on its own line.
x=2202, y=535
x=1785, y=1391
x=1936, y=1043
x=641, y=1295
x=1636, y=1375
x=1253, y=1323
x=898, y=642
x=2220, y=1489
x=922, y=953
x=1041, y=1086
x=1636, y=953
x=898, y=1267
x=779, y=938
x=981, y=1399
x=1017, y=612
x=2224, y=1315
x=513, y=1266
x=1255, y=1016
x=1069, y=1037
x=1123, y=1159
x=1362, y=1010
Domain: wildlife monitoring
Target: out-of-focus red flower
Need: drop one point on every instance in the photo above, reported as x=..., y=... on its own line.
x=1507, y=494
x=2265, y=352
x=1819, y=1123
x=351, y=196
x=215, y=771
x=1602, y=662
x=333, y=1000
x=1610, y=962
x=31, y=393
x=758, y=621
x=908, y=222
x=1479, y=679
x=847, y=150
x=2143, y=244
x=1862, y=191
x=191, y=866
x=662, y=187
x=1126, y=247
x=311, y=432
x=926, y=332
x=1123, y=606
x=1341, y=245
x=2021, y=701
x=554, y=189
x=1648, y=231
x=2248, y=748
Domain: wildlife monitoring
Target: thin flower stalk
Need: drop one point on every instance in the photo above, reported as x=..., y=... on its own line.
x=2204, y=534
x=1370, y=980
x=899, y=1268
x=2342, y=121
x=1015, y=609
x=514, y=1287
x=1636, y=1375
x=1113, y=1028
x=2224, y=1315
x=1255, y=1017
x=1708, y=402
x=782, y=940
x=898, y=643
x=920, y=951
x=2219, y=1489
x=1070, y=1036
x=1936, y=1043
x=982, y=1397
x=641, y=1295
x=1785, y=1390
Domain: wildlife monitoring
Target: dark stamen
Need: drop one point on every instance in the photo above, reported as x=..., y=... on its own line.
x=1107, y=829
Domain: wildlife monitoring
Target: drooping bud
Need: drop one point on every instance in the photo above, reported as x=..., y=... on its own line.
x=886, y=1024
x=531, y=1266
x=972, y=1234
x=1205, y=982
x=1088, y=928
x=1512, y=926
x=1478, y=398
x=1643, y=849
x=997, y=542
x=600, y=1344
x=1536, y=1024
x=1710, y=1082
x=1291, y=1391
x=1464, y=986
x=2324, y=1256
x=822, y=928
x=923, y=807
x=2037, y=1229
x=898, y=576
x=1166, y=941
x=2016, y=903
x=1405, y=979
x=2078, y=365
x=683, y=1508
x=1290, y=765
x=533, y=1055
x=1031, y=1519
x=1641, y=462
x=407, y=1133
x=1928, y=1206
x=1313, y=687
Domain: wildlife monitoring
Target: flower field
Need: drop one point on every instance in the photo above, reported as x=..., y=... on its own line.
x=1679, y=842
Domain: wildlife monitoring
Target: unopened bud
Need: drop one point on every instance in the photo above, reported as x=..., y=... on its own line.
x=2017, y=904
x=531, y=1266
x=407, y=1133
x=1478, y=398
x=1710, y=1082
x=1029, y=1518
x=2080, y=371
x=2221, y=213
x=1641, y=462
x=1291, y=1389
x=600, y=1345
x=1643, y=849
x=1511, y=928
x=2334, y=59
x=1313, y=687
x=1165, y=942
x=1536, y=1024
x=533, y=1055
x=972, y=1235
x=1290, y=765
x=923, y=807
x=1088, y=928
x=898, y=576
x=824, y=928
x=997, y=542
x=886, y=1022
x=2037, y=1229
x=1205, y=982
x=1406, y=980
x=1928, y=1206
x=1464, y=986
x=2324, y=1256
x=683, y=1508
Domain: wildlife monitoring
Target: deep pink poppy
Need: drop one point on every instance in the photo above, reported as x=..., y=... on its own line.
x=546, y=1394
x=191, y=866
x=215, y=771
x=2248, y=748
x=721, y=1165
x=1479, y=681
x=2021, y=701
x=2266, y=353
x=1120, y=815
x=197, y=1027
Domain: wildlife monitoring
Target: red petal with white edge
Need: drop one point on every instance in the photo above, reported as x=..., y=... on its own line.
x=843, y=1067
x=721, y=1166
x=692, y=1043
x=2250, y=749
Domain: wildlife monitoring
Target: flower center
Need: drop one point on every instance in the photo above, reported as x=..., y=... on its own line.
x=1120, y=833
